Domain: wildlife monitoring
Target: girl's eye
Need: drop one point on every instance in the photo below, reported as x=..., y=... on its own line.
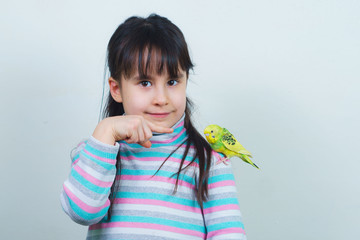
x=172, y=82
x=145, y=83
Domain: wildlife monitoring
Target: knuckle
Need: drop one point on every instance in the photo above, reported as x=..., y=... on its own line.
x=134, y=125
x=137, y=121
x=148, y=135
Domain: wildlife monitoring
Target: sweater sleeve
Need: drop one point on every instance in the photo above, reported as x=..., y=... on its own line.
x=221, y=211
x=85, y=193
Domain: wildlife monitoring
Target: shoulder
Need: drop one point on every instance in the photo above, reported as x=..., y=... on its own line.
x=216, y=158
x=218, y=167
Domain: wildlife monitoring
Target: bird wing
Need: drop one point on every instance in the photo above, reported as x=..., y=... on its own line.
x=232, y=144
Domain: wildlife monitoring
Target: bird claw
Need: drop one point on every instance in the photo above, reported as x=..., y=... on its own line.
x=224, y=159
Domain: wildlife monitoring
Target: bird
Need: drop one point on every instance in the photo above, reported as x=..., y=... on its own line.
x=222, y=141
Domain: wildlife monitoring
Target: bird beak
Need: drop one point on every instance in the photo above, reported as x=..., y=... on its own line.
x=206, y=134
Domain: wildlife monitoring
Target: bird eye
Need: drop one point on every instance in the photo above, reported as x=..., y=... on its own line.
x=212, y=131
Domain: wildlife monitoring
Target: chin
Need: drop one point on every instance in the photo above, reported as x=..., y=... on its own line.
x=166, y=124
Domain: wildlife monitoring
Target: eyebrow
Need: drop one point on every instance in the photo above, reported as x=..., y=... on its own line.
x=149, y=77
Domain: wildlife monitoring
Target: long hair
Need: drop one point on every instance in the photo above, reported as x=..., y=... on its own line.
x=133, y=41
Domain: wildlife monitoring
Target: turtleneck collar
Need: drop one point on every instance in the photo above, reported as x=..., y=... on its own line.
x=177, y=136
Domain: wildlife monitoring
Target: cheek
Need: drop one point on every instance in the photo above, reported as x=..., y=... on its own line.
x=180, y=101
x=134, y=103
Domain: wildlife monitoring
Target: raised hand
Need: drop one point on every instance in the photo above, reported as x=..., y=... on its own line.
x=130, y=128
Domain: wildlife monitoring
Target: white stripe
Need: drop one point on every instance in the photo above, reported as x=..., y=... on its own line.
x=224, y=213
x=156, y=164
x=143, y=231
x=225, y=189
x=89, y=201
x=94, y=173
x=156, y=184
x=229, y=236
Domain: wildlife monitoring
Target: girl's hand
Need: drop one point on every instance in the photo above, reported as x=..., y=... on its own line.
x=130, y=128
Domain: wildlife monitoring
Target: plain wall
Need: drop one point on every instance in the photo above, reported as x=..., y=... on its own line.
x=282, y=76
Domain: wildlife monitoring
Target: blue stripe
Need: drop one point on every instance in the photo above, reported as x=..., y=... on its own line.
x=220, y=202
x=154, y=145
x=100, y=153
x=222, y=177
x=85, y=215
x=224, y=225
x=154, y=154
x=92, y=187
x=106, y=165
x=75, y=158
x=160, y=221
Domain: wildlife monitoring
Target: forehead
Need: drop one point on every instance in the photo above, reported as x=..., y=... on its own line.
x=152, y=62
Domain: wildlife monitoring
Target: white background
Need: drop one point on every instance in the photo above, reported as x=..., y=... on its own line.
x=282, y=76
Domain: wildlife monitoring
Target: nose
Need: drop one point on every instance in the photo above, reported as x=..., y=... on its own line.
x=161, y=96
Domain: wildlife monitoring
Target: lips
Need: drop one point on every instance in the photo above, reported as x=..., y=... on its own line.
x=159, y=115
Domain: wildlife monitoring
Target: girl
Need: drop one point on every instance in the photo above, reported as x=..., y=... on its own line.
x=146, y=173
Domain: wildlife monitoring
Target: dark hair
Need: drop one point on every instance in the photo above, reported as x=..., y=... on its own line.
x=131, y=41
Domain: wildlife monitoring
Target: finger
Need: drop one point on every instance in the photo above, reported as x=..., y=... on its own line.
x=146, y=144
x=143, y=141
x=147, y=132
x=132, y=137
x=141, y=134
x=145, y=135
x=159, y=129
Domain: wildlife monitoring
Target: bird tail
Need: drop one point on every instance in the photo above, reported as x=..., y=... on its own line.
x=248, y=160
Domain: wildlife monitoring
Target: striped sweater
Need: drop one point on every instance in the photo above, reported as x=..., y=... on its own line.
x=145, y=205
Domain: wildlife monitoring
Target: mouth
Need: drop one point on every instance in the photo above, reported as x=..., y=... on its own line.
x=207, y=134
x=159, y=115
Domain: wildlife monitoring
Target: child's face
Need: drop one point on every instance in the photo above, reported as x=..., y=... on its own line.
x=159, y=99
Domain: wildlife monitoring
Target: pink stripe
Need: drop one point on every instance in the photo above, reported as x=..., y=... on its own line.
x=217, y=155
x=108, y=160
x=154, y=178
x=222, y=184
x=225, y=231
x=160, y=159
x=184, y=146
x=92, y=179
x=83, y=205
x=75, y=162
x=180, y=124
x=157, y=203
x=147, y=226
x=172, y=139
x=221, y=208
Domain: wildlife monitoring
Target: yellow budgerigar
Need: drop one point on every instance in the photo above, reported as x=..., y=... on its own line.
x=221, y=140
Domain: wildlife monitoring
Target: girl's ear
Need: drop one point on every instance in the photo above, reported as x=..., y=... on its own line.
x=115, y=90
